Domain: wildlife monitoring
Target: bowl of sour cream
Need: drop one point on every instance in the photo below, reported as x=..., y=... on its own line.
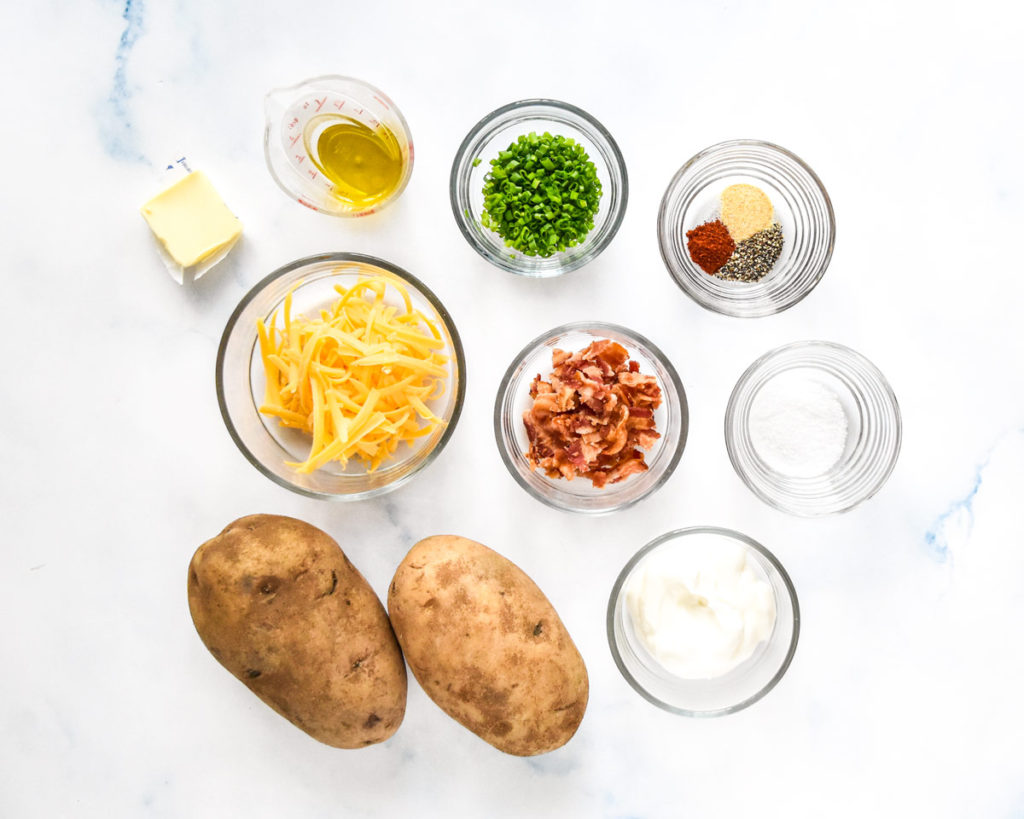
x=703, y=621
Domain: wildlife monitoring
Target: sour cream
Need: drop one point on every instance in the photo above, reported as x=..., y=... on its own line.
x=700, y=608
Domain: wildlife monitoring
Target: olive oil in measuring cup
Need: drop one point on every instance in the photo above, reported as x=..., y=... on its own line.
x=337, y=145
x=363, y=163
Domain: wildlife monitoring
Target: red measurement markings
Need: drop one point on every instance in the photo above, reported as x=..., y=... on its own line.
x=339, y=105
x=299, y=158
x=293, y=123
x=308, y=205
x=386, y=106
x=312, y=173
x=295, y=139
x=320, y=103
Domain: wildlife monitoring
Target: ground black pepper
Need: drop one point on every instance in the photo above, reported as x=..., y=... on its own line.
x=753, y=258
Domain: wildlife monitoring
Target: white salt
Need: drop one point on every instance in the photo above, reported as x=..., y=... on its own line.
x=798, y=426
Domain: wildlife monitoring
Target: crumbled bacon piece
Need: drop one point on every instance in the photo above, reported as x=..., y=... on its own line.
x=595, y=416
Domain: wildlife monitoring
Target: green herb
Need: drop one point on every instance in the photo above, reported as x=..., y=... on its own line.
x=541, y=194
x=477, y=161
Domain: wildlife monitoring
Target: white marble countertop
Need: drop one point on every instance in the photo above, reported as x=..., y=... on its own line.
x=904, y=695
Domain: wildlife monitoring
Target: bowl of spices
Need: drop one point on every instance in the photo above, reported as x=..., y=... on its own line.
x=746, y=228
x=340, y=376
x=337, y=145
x=703, y=621
x=591, y=417
x=538, y=188
x=813, y=428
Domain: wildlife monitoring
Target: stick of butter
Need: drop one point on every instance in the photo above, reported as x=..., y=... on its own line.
x=193, y=225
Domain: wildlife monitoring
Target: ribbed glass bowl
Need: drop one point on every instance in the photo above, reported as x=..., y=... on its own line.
x=241, y=380
x=579, y=495
x=734, y=690
x=495, y=133
x=874, y=429
x=802, y=208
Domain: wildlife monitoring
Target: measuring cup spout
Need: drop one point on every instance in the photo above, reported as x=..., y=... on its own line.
x=276, y=101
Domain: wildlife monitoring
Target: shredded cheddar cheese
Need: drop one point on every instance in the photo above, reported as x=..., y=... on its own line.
x=358, y=378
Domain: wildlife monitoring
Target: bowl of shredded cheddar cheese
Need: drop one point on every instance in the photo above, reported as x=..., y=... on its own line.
x=340, y=376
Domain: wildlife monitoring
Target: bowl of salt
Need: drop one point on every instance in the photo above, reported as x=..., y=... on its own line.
x=813, y=428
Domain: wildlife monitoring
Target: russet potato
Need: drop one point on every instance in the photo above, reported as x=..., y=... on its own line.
x=280, y=606
x=486, y=645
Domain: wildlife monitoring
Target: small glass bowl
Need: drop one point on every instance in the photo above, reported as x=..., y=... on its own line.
x=579, y=495
x=802, y=208
x=295, y=112
x=734, y=690
x=241, y=379
x=495, y=133
x=874, y=429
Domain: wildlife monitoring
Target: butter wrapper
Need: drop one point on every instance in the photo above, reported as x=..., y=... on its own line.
x=193, y=228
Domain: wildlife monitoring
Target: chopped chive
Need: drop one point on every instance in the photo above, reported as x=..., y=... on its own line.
x=541, y=194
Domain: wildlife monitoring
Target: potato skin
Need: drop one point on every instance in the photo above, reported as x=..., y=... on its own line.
x=280, y=606
x=486, y=645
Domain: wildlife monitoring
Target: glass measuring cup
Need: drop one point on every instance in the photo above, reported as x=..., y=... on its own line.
x=295, y=117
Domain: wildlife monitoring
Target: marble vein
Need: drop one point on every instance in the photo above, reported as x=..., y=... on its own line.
x=954, y=526
x=114, y=119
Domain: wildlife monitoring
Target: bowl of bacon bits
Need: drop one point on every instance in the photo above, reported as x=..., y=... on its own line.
x=591, y=417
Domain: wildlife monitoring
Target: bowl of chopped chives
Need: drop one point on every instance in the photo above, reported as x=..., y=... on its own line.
x=538, y=188
x=340, y=376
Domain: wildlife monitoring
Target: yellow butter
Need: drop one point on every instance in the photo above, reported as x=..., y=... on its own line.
x=191, y=220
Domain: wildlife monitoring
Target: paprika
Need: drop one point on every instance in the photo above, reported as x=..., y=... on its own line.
x=710, y=245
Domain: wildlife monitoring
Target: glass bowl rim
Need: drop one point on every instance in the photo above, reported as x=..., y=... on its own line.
x=674, y=534
x=657, y=355
x=710, y=303
x=807, y=344
x=328, y=257
x=462, y=158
